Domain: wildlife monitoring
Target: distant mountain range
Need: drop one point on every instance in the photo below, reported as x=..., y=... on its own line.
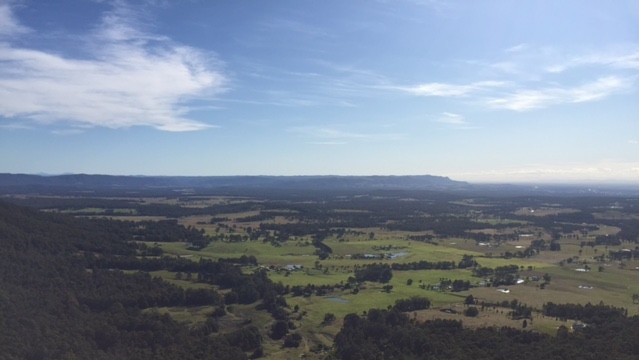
x=110, y=184
x=80, y=182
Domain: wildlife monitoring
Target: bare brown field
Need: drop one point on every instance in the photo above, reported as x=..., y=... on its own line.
x=488, y=317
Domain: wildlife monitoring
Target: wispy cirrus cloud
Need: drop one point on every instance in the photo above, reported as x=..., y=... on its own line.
x=517, y=48
x=327, y=135
x=131, y=78
x=455, y=121
x=9, y=25
x=530, y=78
x=624, y=59
x=528, y=99
x=451, y=90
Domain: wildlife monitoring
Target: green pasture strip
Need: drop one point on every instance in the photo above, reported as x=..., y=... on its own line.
x=308, y=276
x=429, y=277
x=371, y=296
x=496, y=221
x=170, y=277
x=415, y=250
x=568, y=286
x=494, y=262
x=613, y=286
x=266, y=254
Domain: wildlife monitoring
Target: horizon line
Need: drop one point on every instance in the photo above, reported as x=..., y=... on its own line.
x=532, y=182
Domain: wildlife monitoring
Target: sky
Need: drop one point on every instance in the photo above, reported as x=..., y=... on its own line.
x=478, y=91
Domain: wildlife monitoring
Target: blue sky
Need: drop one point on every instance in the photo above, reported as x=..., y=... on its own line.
x=497, y=91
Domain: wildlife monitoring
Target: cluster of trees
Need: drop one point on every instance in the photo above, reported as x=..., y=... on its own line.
x=501, y=275
x=412, y=304
x=454, y=285
x=374, y=272
x=310, y=289
x=390, y=334
x=424, y=265
x=589, y=313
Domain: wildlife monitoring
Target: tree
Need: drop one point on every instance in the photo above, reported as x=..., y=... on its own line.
x=470, y=300
x=472, y=311
x=293, y=340
x=328, y=318
x=412, y=304
x=279, y=329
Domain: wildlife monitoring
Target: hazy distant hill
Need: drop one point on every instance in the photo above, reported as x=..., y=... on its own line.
x=108, y=184
x=12, y=183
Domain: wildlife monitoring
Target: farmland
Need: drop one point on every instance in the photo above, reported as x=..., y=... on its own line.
x=444, y=247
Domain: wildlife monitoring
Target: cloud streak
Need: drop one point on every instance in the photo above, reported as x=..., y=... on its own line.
x=132, y=78
x=529, y=99
x=453, y=120
x=531, y=78
x=601, y=171
x=326, y=135
x=452, y=90
x=9, y=25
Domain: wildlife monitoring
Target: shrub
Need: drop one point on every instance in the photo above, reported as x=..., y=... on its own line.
x=471, y=311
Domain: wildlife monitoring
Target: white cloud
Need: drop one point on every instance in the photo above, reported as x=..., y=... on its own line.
x=8, y=24
x=452, y=119
x=328, y=133
x=517, y=48
x=504, y=95
x=456, y=121
x=333, y=136
x=443, y=89
x=528, y=99
x=527, y=77
x=623, y=59
x=601, y=171
x=132, y=79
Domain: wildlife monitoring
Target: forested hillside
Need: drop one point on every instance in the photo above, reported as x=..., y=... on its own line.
x=55, y=304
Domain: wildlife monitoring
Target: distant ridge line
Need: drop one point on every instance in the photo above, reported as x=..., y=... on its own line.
x=328, y=182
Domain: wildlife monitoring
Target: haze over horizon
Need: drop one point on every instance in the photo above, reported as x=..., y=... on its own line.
x=494, y=91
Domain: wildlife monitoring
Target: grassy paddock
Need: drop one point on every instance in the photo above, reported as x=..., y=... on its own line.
x=497, y=317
